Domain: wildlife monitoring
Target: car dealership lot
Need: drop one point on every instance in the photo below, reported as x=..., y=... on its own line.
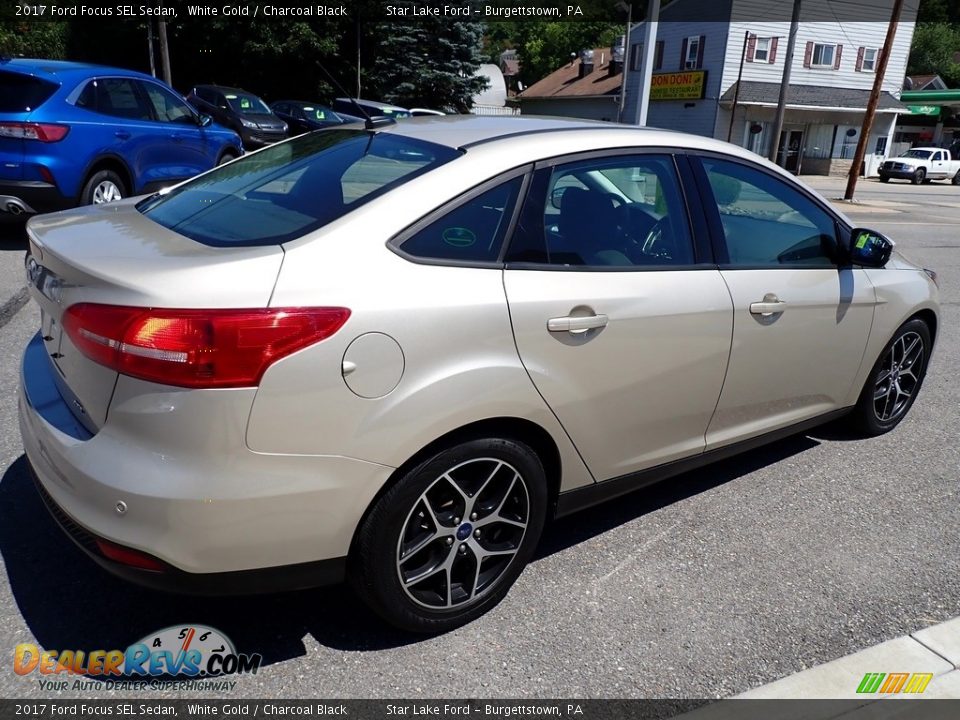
x=704, y=586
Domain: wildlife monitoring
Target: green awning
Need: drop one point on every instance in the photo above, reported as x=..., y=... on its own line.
x=930, y=97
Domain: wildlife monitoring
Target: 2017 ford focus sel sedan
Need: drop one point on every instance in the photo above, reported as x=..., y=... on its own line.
x=391, y=355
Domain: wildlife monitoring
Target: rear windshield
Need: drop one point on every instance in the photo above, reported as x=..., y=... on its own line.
x=22, y=93
x=289, y=189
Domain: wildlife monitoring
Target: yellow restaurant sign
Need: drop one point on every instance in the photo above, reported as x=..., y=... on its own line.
x=684, y=85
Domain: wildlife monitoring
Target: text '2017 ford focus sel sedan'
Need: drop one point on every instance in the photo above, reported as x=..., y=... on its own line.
x=391, y=355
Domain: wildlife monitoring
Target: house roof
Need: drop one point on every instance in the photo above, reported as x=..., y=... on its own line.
x=813, y=96
x=567, y=83
x=920, y=82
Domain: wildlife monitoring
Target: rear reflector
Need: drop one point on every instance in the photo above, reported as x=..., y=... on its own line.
x=129, y=556
x=44, y=132
x=196, y=348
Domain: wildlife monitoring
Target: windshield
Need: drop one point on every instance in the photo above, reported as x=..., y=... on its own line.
x=920, y=154
x=294, y=187
x=320, y=114
x=246, y=104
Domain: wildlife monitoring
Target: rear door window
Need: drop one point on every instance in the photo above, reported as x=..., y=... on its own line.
x=472, y=232
x=119, y=97
x=167, y=107
x=292, y=188
x=22, y=93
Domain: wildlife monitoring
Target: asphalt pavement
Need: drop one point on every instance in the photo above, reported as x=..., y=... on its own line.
x=707, y=585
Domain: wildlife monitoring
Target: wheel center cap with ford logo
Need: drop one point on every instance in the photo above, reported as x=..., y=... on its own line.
x=463, y=532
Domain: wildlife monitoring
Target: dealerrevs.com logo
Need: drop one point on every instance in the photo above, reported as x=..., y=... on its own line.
x=174, y=654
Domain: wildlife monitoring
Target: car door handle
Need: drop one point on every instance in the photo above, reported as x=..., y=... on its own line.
x=577, y=325
x=770, y=305
x=122, y=134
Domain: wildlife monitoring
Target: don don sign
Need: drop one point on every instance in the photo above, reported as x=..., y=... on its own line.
x=686, y=85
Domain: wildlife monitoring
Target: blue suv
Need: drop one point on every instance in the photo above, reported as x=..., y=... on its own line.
x=75, y=134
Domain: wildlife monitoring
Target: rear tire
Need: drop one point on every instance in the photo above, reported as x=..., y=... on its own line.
x=104, y=186
x=956, y=178
x=445, y=543
x=895, y=380
x=919, y=176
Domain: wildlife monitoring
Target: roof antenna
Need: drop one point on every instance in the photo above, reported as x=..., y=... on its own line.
x=369, y=122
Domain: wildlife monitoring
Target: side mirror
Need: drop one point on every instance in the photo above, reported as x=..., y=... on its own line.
x=869, y=248
x=204, y=120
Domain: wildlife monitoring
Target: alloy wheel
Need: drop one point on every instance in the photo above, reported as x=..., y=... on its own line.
x=106, y=192
x=462, y=534
x=899, y=377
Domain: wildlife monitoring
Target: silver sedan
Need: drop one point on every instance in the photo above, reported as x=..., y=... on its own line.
x=393, y=354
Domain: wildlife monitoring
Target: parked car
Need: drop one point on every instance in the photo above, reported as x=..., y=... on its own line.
x=302, y=117
x=242, y=111
x=394, y=355
x=76, y=134
x=920, y=165
x=373, y=108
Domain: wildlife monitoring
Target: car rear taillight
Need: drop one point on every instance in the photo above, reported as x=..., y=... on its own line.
x=44, y=132
x=196, y=348
x=128, y=556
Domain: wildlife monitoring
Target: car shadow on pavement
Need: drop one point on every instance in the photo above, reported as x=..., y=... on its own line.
x=68, y=601
x=13, y=235
x=577, y=528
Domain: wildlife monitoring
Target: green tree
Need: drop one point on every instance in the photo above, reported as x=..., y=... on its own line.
x=429, y=63
x=545, y=46
x=933, y=50
x=33, y=39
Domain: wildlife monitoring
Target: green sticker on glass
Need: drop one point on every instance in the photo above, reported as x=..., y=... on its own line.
x=861, y=242
x=459, y=237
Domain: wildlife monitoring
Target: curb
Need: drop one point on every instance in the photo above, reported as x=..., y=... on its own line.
x=934, y=650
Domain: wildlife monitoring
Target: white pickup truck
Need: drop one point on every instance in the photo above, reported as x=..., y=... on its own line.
x=919, y=165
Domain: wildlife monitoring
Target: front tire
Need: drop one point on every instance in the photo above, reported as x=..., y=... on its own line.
x=895, y=380
x=919, y=176
x=226, y=157
x=104, y=186
x=445, y=543
x=884, y=178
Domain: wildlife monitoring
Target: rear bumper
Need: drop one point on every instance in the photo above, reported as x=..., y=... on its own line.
x=28, y=197
x=246, y=522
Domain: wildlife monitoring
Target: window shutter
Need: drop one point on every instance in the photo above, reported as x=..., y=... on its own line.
x=658, y=55
x=808, y=55
x=860, y=53
x=836, y=61
x=772, y=55
x=683, y=54
x=751, y=47
x=703, y=42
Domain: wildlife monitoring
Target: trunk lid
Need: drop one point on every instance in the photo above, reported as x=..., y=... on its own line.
x=114, y=255
x=20, y=95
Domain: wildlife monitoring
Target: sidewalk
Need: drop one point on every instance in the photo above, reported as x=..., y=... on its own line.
x=934, y=650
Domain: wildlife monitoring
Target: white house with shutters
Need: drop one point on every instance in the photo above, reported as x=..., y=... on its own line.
x=698, y=85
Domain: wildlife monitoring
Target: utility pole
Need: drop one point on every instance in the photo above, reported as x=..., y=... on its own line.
x=153, y=61
x=164, y=50
x=874, y=101
x=626, y=63
x=649, y=51
x=736, y=95
x=784, y=84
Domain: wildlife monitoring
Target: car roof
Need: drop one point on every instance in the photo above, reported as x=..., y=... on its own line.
x=460, y=131
x=224, y=88
x=371, y=103
x=62, y=70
